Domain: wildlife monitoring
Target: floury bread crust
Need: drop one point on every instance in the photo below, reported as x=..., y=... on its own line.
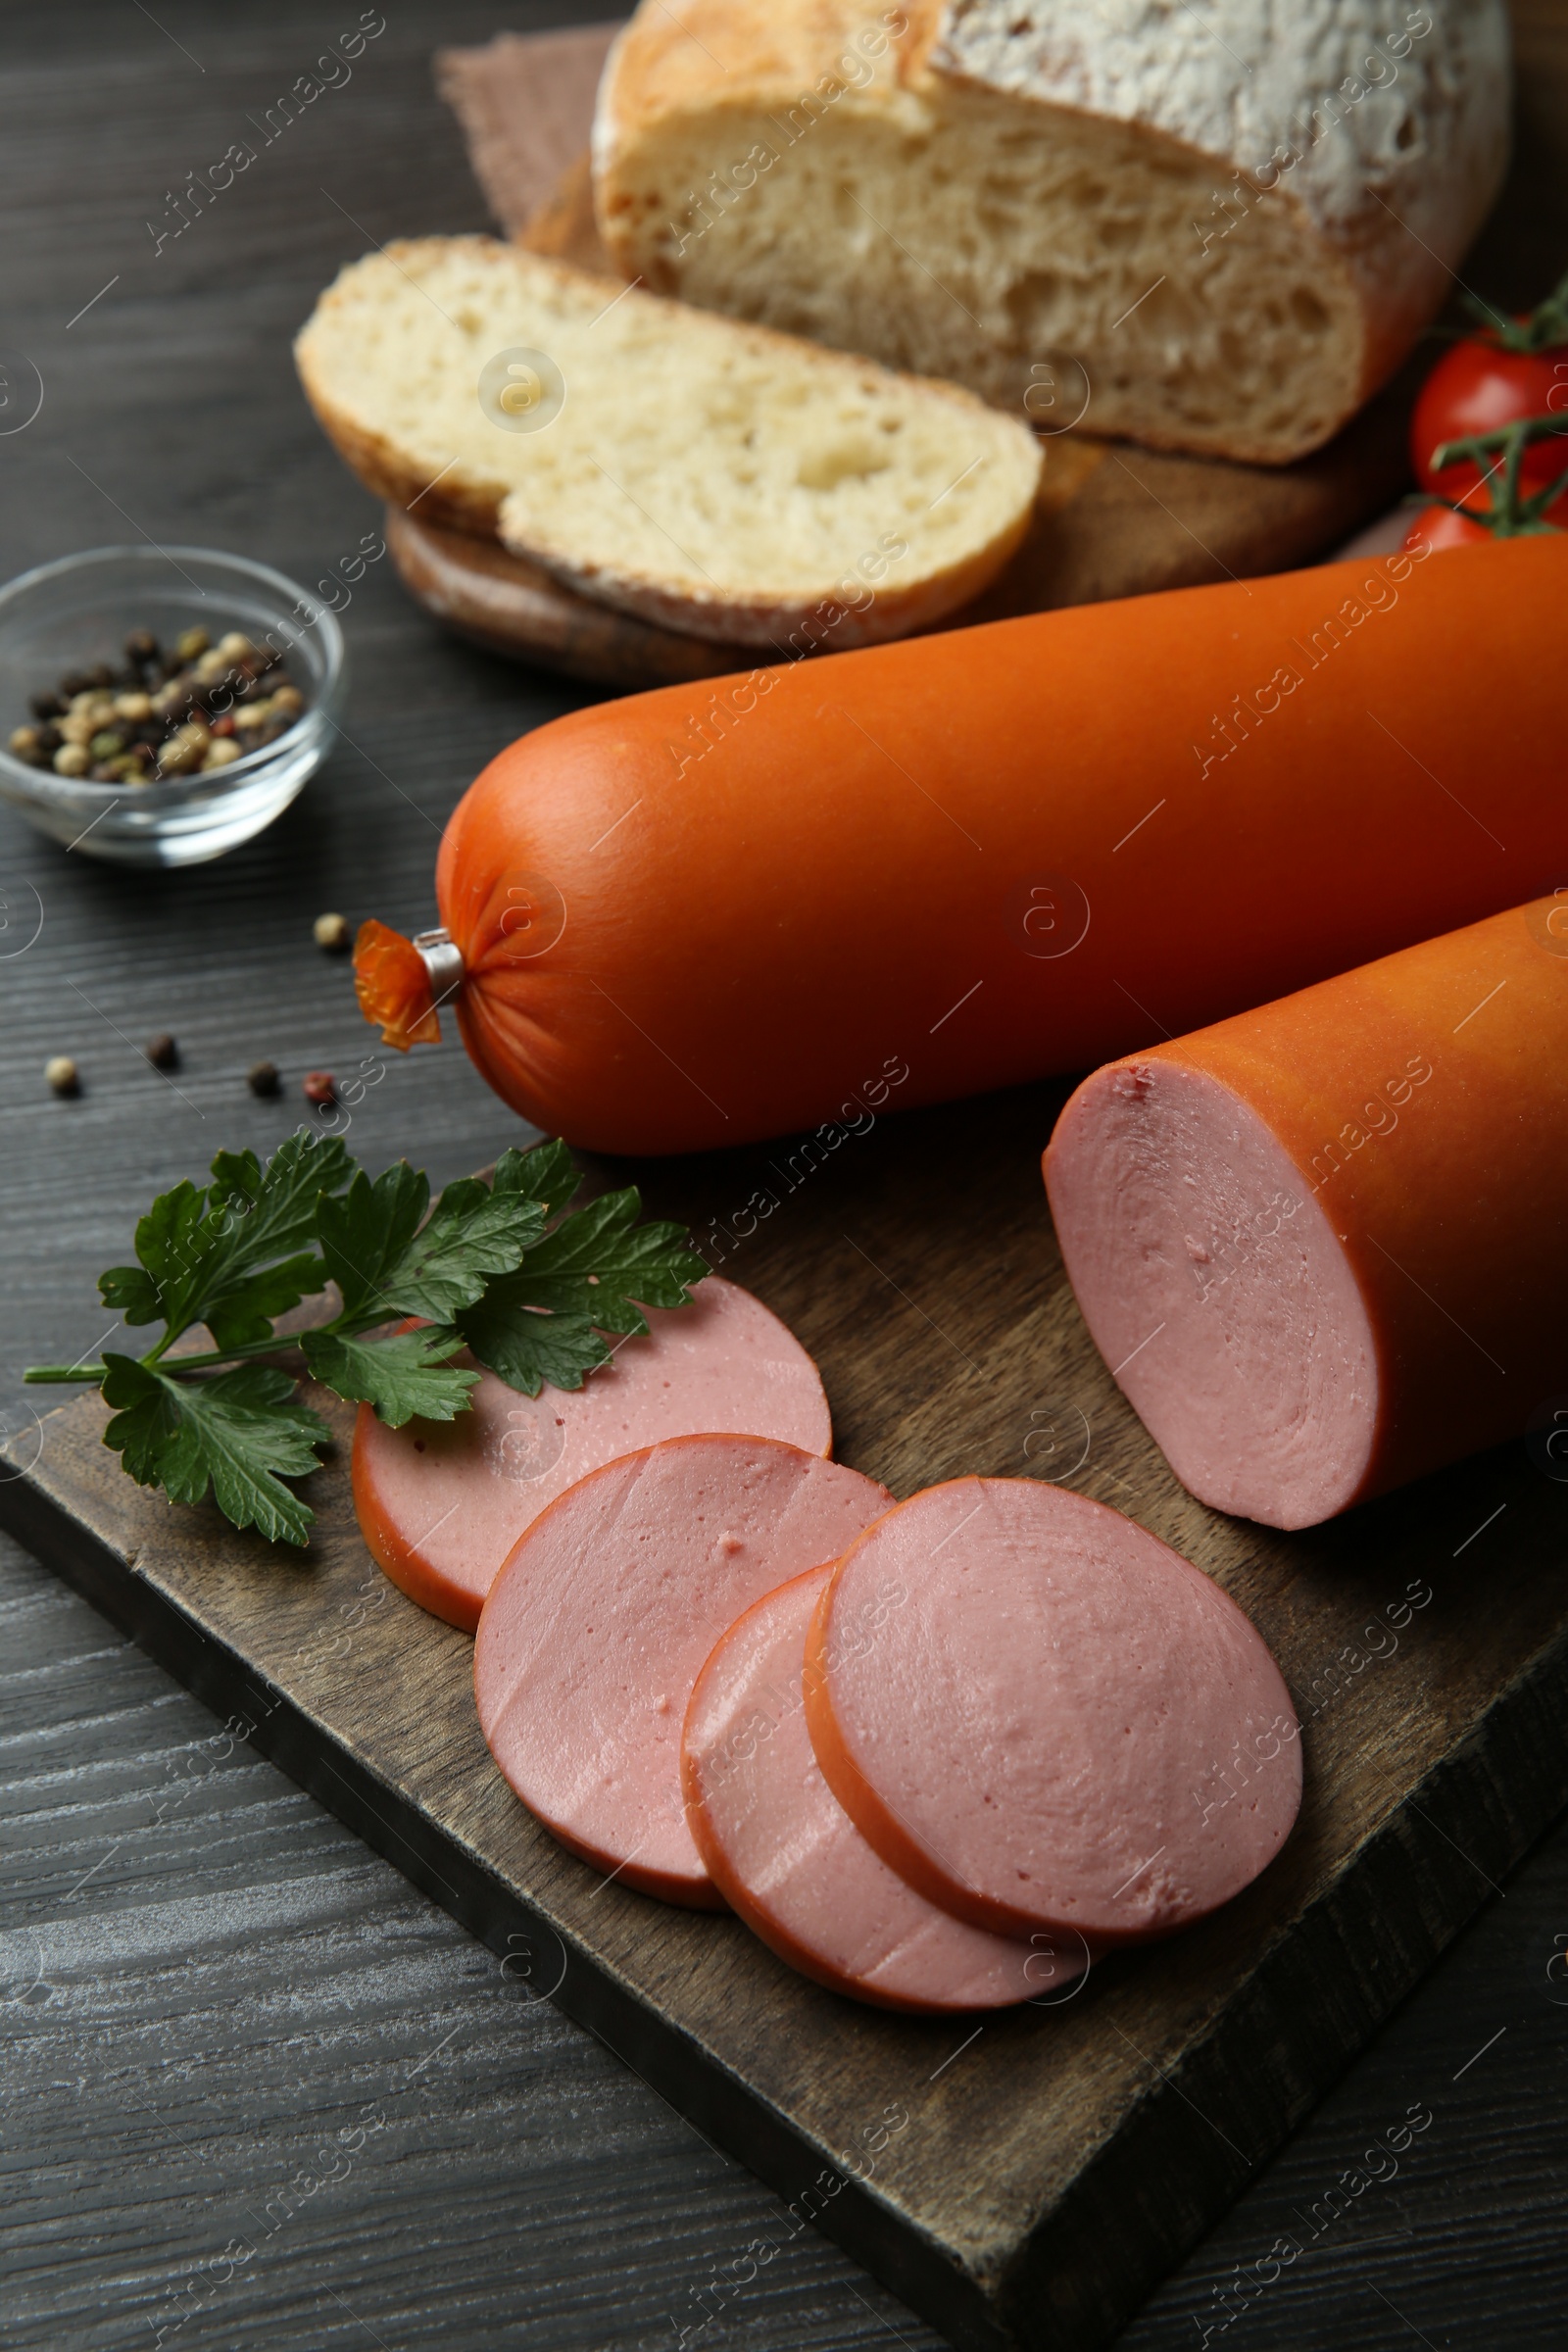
x=1233, y=222
x=710, y=476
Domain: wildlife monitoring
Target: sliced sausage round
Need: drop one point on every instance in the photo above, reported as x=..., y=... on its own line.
x=597, y=1626
x=441, y=1503
x=782, y=1848
x=1034, y=1710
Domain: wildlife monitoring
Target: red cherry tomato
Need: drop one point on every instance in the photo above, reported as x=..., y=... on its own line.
x=1477, y=387
x=1437, y=527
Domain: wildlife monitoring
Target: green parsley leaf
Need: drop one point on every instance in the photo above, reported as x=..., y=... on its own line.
x=401, y=1375
x=599, y=1262
x=262, y=1215
x=587, y=1276
x=366, y=1234
x=388, y=1260
x=241, y=1432
x=248, y=1307
x=544, y=1173
x=172, y=1255
x=207, y=1255
x=131, y=1292
x=485, y=1270
x=271, y=1211
x=526, y=1348
x=470, y=1236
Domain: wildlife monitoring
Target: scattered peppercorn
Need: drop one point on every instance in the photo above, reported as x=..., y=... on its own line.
x=162, y=1051
x=261, y=1078
x=333, y=933
x=61, y=1075
x=319, y=1086
x=195, y=707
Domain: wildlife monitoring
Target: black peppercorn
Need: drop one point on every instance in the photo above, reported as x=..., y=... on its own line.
x=162, y=715
x=162, y=1051
x=261, y=1078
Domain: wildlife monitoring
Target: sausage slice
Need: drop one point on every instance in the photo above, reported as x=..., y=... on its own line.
x=1034, y=1733
x=597, y=1626
x=782, y=1848
x=441, y=1503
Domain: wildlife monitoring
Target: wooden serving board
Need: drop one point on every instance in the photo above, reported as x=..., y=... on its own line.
x=1112, y=519
x=1025, y=2181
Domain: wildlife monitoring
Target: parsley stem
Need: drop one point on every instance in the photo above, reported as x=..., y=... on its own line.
x=37, y=1374
x=229, y=1355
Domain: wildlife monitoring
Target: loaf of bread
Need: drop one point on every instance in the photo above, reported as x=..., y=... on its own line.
x=717, y=478
x=1214, y=227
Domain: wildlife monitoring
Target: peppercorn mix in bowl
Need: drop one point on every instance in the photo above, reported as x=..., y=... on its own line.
x=160, y=706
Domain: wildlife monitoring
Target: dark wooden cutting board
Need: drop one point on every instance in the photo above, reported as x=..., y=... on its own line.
x=1024, y=2182
x=1112, y=519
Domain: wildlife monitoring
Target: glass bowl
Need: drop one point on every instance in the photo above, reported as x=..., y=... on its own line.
x=76, y=613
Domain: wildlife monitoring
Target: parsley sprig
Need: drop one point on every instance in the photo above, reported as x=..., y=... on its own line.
x=485, y=1270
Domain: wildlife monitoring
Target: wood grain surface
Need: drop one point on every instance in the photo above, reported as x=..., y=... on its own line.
x=205, y=1978
x=1041, y=2170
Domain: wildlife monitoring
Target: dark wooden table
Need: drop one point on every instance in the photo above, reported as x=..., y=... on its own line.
x=201, y=1972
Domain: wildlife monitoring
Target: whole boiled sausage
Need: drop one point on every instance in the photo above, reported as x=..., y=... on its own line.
x=743, y=907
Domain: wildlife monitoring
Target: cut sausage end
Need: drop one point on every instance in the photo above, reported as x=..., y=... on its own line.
x=792, y=1862
x=441, y=1503
x=1216, y=1289
x=1046, y=1719
x=596, y=1628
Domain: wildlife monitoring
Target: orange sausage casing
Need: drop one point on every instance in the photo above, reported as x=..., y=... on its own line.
x=1325, y=1244
x=718, y=912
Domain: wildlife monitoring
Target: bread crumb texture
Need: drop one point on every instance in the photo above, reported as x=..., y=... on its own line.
x=1234, y=219
x=715, y=476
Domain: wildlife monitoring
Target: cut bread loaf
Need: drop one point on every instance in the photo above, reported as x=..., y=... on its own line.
x=722, y=479
x=1222, y=226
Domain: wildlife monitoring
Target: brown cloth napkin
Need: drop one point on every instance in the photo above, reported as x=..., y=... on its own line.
x=525, y=102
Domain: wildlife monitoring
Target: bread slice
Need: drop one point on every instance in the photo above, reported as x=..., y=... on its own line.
x=1214, y=229
x=720, y=479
